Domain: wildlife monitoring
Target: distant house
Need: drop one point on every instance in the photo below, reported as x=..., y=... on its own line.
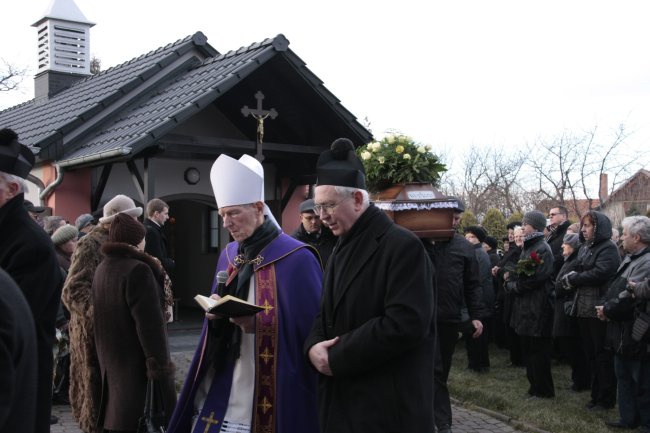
x=153, y=126
x=631, y=198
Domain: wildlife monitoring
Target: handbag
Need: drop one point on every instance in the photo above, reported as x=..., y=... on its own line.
x=153, y=419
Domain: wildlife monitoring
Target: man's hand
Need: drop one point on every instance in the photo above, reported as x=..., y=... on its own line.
x=495, y=271
x=213, y=316
x=319, y=355
x=600, y=313
x=479, y=328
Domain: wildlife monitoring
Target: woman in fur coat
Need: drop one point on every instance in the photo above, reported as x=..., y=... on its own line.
x=130, y=331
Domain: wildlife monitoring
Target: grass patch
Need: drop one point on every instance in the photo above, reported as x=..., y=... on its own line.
x=503, y=389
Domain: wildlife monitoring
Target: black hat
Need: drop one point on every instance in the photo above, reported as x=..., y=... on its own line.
x=307, y=206
x=15, y=158
x=512, y=225
x=31, y=208
x=492, y=242
x=340, y=166
x=477, y=231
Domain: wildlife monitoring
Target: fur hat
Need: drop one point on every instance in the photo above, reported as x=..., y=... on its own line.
x=64, y=234
x=340, y=166
x=84, y=220
x=15, y=158
x=572, y=240
x=536, y=219
x=307, y=206
x=119, y=204
x=126, y=229
x=477, y=231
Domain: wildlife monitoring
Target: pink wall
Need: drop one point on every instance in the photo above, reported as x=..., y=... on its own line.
x=291, y=214
x=72, y=197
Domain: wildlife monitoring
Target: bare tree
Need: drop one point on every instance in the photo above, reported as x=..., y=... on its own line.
x=95, y=65
x=10, y=76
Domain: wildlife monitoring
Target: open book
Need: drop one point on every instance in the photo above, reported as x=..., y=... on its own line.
x=228, y=306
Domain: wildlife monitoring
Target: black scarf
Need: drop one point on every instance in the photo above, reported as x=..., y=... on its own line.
x=226, y=341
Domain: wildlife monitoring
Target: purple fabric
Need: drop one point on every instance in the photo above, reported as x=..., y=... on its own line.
x=299, y=280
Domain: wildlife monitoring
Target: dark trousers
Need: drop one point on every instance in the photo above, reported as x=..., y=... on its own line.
x=478, y=355
x=447, y=339
x=537, y=355
x=574, y=350
x=633, y=390
x=601, y=361
x=514, y=347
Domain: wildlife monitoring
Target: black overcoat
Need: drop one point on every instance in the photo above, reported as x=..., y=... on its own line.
x=27, y=254
x=156, y=244
x=17, y=360
x=382, y=310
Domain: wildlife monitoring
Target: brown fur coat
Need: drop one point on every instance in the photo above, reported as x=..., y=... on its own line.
x=85, y=381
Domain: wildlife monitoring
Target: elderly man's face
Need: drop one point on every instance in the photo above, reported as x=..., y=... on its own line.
x=338, y=212
x=310, y=221
x=242, y=220
x=8, y=190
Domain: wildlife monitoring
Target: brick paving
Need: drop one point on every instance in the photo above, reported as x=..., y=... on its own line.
x=465, y=420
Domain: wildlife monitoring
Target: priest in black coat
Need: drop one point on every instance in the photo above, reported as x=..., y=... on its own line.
x=373, y=340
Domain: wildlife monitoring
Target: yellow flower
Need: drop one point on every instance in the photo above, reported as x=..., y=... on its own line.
x=407, y=156
x=399, y=149
x=366, y=155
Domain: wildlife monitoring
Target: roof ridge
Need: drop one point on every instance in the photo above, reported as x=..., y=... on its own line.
x=279, y=42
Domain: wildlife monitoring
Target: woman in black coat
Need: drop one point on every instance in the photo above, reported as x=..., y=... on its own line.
x=598, y=261
x=130, y=332
x=565, y=328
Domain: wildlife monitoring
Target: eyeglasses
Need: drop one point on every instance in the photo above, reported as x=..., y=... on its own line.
x=328, y=208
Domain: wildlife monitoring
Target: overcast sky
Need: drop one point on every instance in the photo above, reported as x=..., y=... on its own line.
x=451, y=74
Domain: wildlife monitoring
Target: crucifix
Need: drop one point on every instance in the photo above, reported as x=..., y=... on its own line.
x=260, y=115
x=209, y=421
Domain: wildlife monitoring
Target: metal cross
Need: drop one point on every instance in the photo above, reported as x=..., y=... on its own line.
x=260, y=115
x=209, y=421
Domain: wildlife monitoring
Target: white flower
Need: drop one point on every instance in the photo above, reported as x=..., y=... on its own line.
x=390, y=139
x=422, y=149
x=407, y=156
x=366, y=155
x=375, y=146
x=381, y=159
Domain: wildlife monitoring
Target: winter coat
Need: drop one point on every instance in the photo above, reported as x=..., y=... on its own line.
x=85, y=382
x=27, y=255
x=485, y=275
x=130, y=335
x=555, y=239
x=156, y=244
x=598, y=261
x=380, y=305
x=505, y=300
x=563, y=324
x=532, y=313
x=622, y=309
x=457, y=284
x=323, y=242
x=18, y=353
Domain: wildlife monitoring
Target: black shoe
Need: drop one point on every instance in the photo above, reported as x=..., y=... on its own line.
x=445, y=428
x=54, y=419
x=619, y=424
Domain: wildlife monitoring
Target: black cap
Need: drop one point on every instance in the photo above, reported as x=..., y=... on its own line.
x=477, y=231
x=492, y=242
x=31, y=208
x=340, y=166
x=15, y=158
x=512, y=225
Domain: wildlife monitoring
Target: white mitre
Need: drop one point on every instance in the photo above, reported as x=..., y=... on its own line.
x=236, y=182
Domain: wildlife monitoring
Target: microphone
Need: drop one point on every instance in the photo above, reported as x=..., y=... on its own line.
x=222, y=277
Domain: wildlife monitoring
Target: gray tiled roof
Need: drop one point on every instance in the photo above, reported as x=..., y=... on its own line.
x=128, y=107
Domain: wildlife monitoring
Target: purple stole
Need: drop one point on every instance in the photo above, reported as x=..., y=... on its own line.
x=266, y=347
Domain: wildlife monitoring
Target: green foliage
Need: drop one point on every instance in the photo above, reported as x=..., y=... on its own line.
x=495, y=223
x=517, y=216
x=503, y=389
x=398, y=159
x=467, y=219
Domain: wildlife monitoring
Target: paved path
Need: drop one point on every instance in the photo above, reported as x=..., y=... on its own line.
x=182, y=344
